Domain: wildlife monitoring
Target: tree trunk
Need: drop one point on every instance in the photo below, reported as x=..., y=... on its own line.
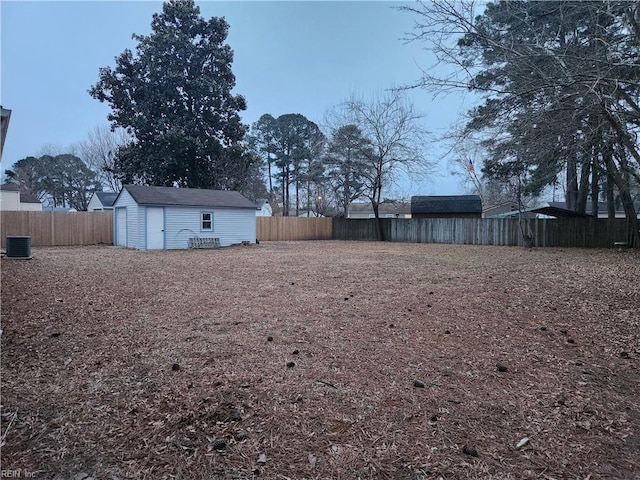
x=269, y=170
x=297, y=198
x=376, y=214
x=595, y=181
x=284, y=195
x=583, y=190
x=622, y=182
x=571, y=197
x=611, y=201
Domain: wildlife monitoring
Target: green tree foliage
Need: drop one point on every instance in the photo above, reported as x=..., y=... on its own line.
x=561, y=85
x=347, y=161
x=59, y=181
x=174, y=97
x=292, y=145
x=263, y=143
x=27, y=174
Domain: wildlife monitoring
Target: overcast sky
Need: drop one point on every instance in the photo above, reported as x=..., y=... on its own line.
x=290, y=57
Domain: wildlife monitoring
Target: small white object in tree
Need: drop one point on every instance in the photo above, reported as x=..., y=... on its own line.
x=262, y=458
x=522, y=442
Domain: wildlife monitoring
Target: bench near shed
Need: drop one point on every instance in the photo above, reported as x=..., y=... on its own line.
x=197, y=242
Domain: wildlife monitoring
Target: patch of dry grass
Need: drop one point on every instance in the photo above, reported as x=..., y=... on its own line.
x=126, y=364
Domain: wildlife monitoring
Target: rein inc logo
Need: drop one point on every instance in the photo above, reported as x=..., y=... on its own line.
x=18, y=473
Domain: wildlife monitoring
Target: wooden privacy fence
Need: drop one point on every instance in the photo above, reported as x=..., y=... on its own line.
x=293, y=228
x=90, y=228
x=566, y=232
x=48, y=229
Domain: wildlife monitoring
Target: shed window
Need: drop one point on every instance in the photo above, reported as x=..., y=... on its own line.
x=207, y=221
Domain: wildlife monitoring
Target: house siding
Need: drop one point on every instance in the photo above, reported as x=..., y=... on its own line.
x=9, y=200
x=95, y=205
x=135, y=221
x=30, y=207
x=230, y=225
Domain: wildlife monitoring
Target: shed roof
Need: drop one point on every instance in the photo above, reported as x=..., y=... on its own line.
x=107, y=198
x=187, y=197
x=446, y=204
x=10, y=187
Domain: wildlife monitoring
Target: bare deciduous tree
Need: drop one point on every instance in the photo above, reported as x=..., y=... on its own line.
x=560, y=83
x=396, y=137
x=99, y=150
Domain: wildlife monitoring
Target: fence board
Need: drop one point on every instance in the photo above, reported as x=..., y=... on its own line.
x=48, y=229
x=569, y=232
x=293, y=228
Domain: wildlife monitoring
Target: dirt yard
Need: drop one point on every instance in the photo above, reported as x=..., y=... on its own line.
x=322, y=360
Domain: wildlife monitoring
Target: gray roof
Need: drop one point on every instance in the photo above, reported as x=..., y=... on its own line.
x=383, y=208
x=5, y=117
x=446, y=204
x=602, y=206
x=107, y=198
x=29, y=198
x=187, y=197
x=10, y=187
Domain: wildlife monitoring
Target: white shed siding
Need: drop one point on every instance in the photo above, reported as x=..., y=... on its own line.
x=230, y=225
x=181, y=224
x=120, y=226
x=135, y=221
x=234, y=225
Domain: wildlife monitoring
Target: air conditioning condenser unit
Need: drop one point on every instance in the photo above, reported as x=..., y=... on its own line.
x=18, y=246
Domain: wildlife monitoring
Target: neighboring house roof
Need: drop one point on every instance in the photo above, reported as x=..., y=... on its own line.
x=445, y=204
x=543, y=210
x=5, y=117
x=383, y=209
x=10, y=187
x=25, y=197
x=558, y=210
x=187, y=197
x=106, y=198
x=602, y=206
x=29, y=198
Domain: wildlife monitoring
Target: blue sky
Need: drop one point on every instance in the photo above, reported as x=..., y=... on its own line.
x=290, y=57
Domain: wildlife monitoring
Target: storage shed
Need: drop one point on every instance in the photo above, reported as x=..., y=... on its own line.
x=446, y=206
x=156, y=218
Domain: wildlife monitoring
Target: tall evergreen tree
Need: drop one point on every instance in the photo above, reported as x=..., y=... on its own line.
x=347, y=161
x=59, y=181
x=291, y=144
x=174, y=97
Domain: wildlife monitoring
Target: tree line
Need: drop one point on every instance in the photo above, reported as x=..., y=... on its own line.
x=559, y=85
x=179, y=121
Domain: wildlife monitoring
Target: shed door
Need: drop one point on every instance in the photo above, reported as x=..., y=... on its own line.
x=155, y=228
x=121, y=226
